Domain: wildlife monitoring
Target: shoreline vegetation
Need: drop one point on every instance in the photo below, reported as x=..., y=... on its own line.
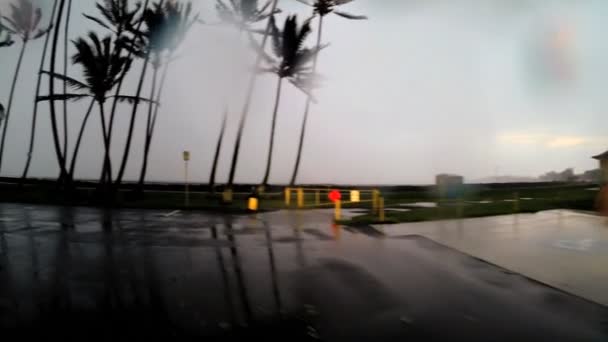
x=402, y=203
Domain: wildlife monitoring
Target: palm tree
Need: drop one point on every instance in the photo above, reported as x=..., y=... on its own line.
x=65, y=72
x=291, y=63
x=103, y=64
x=145, y=44
x=320, y=8
x=23, y=22
x=176, y=22
x=249, y=96
x=64, y=176
x=117, y=17
x=38, y=84
x=216, y=157
x=240, y=14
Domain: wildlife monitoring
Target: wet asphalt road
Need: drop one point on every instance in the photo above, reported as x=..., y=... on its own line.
x=85, y=273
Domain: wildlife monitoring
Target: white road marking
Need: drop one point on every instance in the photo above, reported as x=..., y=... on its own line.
x=174, y=212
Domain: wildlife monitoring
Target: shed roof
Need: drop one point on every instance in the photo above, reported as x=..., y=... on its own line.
x=601, y=156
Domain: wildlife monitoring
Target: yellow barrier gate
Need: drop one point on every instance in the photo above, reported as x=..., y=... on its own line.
x=352, y=196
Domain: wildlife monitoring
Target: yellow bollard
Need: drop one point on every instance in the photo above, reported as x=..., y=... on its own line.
x=355, y=196
x=227, y=196
x=375, y=196
x=287, y=196
x=381, y=209
x=300, y=198
x=252, y=204
x=317, y=198
x=338, y=210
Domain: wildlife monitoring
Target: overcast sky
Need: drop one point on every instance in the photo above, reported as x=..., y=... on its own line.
x=473, y=87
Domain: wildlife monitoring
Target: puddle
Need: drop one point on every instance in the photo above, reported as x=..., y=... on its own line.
x=419, y=204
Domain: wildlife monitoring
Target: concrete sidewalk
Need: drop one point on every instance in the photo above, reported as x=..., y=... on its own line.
x=565, y=249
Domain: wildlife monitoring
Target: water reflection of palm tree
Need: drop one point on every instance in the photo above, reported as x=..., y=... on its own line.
x=273, y=269
x=236, y=261
x=225, y=279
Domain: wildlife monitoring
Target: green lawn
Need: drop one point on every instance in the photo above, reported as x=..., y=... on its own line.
x=564, y=197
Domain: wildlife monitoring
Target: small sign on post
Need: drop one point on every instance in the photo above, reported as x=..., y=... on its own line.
x=186, y=156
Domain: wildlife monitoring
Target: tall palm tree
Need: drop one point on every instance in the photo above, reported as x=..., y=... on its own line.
x=241, y=14
x=320, y=8
x=117, y=17
x=103, y=63
x=64, y=177
x=291, y=62
x=249, y=96
x=38, y=84
x=177, y=21
x=147, y=44
x=65, y=72
x=23, y=22
x=216, y=156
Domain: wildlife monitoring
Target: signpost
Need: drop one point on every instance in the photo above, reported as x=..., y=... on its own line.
x=335, y=197
x=186, y=155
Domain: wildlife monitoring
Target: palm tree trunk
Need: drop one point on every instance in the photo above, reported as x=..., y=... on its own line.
x=79, y=139
x=144, y=165
x=247, y=105
x=11, y=97
x=274, y=123
x=216, y=157
x=307, y=108
x=63, y=176
x=150, y=134
x=65, y=84
x=125, y=155
x=35, y=111
x=104, y=129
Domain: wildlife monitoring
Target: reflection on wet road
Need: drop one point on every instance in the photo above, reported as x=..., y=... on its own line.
x=275, y=276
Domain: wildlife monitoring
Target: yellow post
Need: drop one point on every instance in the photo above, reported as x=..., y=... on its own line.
x=287, y=196
x=337, y=211
x=317, y=197
x=375, y=196
x=252, y=204
x=227, y=196
x=300, y=198
x=381, y=209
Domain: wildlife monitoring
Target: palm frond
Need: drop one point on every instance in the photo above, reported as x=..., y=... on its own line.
x=62, y=97
x=98, y=21
x=350, y=16
x=75, y=84
x=132, y=99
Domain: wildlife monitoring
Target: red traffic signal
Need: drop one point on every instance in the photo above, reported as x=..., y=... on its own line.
x=334, y=195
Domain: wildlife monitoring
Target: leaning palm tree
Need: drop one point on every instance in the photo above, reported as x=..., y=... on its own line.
x=103, y=63
x=320, y=8
x=176, y=23
x=117, y=17
x=216, y=156
x=241, y=14
x=23, y=23
x=249, y=96
x=291, y=62
x=38, y=85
